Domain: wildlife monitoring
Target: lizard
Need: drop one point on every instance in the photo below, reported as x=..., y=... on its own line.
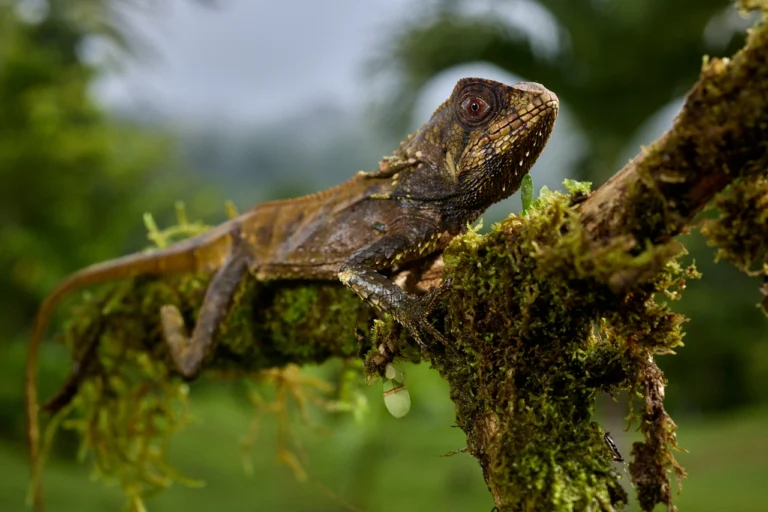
x=474, y=151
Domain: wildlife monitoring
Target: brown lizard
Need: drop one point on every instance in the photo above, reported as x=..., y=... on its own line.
x=473, y=152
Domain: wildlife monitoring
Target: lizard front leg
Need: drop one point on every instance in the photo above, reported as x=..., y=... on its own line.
x=359, y=273
x=187, y=352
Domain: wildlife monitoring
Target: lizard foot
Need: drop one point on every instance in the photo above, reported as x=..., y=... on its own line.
x=434, y=295
x=416, y=319
x=177, y=339
x=408, y=310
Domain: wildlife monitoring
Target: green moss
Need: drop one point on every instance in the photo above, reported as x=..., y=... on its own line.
x=740, y=232
x=745, y=6
x=308, y=322
x=543, y=318
x=126, y=406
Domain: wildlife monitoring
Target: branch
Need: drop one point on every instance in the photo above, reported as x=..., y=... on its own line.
x=536, y=357
x=719, y=136
x=545, y=311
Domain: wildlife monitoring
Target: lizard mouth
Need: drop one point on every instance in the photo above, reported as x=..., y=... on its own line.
x=522, y=134
x=542, y=110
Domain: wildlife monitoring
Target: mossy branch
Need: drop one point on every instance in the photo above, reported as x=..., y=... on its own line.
x=545, y=311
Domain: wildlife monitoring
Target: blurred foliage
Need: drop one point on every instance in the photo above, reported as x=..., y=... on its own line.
x=613, y=64
x=378, y=463
x=75, y=182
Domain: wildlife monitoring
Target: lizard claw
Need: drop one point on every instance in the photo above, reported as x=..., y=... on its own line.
x=418, y=324
x=425, y=325
x=433, y=296
x=420, y=329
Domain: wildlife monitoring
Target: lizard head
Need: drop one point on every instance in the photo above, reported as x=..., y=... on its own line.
x=484, y=139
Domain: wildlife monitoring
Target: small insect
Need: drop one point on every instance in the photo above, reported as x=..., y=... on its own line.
x=612, y=446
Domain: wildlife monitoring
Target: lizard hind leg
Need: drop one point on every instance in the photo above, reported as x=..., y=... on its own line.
x=188, y=352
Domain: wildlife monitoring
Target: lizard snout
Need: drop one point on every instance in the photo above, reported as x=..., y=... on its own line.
x=546, y=96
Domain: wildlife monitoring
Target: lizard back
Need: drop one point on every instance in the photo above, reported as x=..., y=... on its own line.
x=311, y=236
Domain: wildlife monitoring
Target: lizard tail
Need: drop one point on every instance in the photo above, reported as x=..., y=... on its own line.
x=205, y=252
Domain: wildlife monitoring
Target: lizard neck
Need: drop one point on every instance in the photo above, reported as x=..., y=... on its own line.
x=482, y=189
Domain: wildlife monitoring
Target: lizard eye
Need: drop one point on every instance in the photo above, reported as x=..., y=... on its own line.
x=476, y=105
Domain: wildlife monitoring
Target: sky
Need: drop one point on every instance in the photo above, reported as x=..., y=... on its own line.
x=253, y=61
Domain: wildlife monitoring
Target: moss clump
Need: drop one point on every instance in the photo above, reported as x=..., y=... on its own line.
x=543, y=317
x=308, y=322
x=746, y=6
x=740, y=232
x=122, y=401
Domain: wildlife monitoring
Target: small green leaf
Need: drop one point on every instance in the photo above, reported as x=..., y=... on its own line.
x=396, y=398
x=181, y=214
x=526, y=193
x=392, y=373
x=231, y=210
